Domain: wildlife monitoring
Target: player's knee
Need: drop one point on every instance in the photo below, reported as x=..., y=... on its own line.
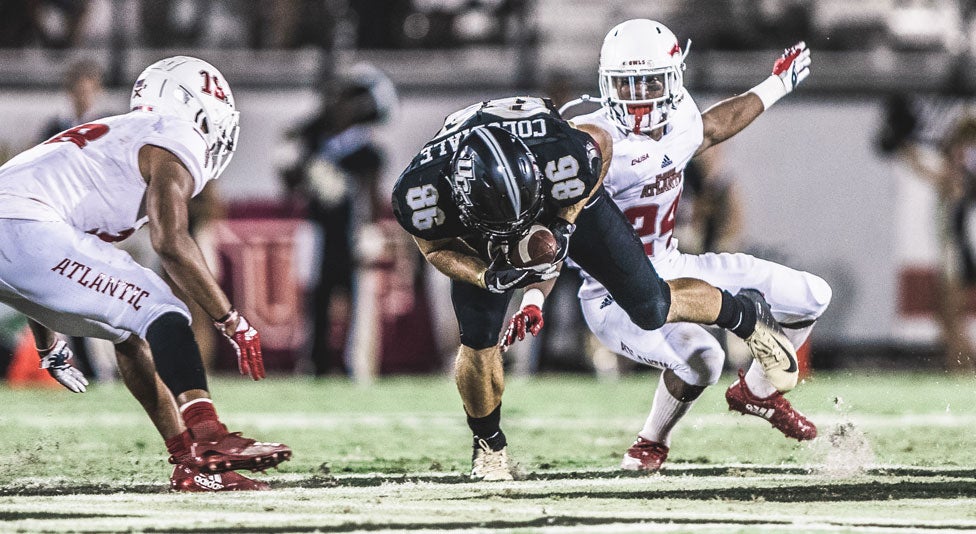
x=479, y=340
x=820, y=294
x=704, y=366
x=652, y=314
x=169, y=322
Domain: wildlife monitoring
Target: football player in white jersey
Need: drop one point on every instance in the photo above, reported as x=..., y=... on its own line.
x=656, y=129
x=63, y=202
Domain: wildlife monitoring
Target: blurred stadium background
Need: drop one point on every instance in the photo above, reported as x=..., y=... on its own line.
x=817, y=191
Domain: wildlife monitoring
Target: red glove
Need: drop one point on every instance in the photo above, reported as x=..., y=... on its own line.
x=246, y=342
x=528, y=319
x=793, y=66
x=789, y=70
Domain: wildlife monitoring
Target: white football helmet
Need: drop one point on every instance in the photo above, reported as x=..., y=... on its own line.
x=194, y=90
x=641, y=66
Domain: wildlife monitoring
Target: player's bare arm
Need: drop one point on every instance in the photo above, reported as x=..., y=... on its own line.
x=454, y=258
x=170, y=187
x=732, y=115
x=729, y=117
x=43, y=336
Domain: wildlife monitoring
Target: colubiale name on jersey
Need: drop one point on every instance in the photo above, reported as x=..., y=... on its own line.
x=527, y=128
x=665, y=181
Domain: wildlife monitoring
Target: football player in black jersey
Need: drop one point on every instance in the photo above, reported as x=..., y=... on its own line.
x=493, y=170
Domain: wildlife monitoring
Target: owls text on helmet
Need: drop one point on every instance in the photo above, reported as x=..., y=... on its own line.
x=641, y=71
x=194, y=90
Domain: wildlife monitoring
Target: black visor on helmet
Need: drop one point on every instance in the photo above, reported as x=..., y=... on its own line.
x=496, y=183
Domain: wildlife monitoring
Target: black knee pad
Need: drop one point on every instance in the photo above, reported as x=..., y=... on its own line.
x=616, y=258
x=176, y=353
x=480, y=314
x=651, y=312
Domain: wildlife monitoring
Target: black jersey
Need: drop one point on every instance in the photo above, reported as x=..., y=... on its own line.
x=568, y=158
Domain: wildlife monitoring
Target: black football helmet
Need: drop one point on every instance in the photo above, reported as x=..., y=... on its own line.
x=496, y=183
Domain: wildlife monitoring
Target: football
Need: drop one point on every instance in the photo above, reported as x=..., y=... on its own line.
x=538, y=247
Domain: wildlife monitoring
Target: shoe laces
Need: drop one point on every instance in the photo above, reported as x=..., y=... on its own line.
x=487, y=460
x=767, y=349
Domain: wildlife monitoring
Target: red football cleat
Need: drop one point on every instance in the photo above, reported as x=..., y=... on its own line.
x=645, y=455
x=232, y=451
x=189, y=478
x=774, y=408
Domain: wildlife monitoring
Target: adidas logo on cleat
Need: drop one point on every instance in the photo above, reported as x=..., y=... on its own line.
x=765, y=413
x=212, y=482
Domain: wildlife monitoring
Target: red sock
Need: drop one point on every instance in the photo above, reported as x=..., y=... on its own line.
x=201, y=420
x=179, y=445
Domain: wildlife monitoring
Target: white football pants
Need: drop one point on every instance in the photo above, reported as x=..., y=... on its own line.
x=76, y=284
x=688, y=349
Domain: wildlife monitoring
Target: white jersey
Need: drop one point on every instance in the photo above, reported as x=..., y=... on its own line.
x=88, y=176
x=646, y=177
x=645, y=180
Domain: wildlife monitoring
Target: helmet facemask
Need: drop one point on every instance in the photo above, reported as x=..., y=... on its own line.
x=222, y=149
x=641, y=101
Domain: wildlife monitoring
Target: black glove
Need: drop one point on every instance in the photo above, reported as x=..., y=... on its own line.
x=501, y=276
x=561, y=230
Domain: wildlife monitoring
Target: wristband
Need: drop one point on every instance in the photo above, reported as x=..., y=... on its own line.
x=533, y=297
x=769, y=91
x=221, y=324
x=226, y=317
x=481, y=279
x=49, y=349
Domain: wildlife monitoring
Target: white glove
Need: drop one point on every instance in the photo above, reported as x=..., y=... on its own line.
x=789, y=70
x=55, y=360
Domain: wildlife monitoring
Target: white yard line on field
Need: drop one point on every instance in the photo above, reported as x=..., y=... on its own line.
x=351, y=420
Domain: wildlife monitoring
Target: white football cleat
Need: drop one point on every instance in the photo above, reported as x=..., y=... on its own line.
x=770, y=346
x=490, y=465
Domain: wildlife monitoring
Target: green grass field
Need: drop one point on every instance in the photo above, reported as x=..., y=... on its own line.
x=897, y=452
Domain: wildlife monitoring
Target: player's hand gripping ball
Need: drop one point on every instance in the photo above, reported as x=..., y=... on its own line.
x=537, y=248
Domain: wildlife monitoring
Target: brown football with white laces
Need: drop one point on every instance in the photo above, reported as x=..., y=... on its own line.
x=538, y=247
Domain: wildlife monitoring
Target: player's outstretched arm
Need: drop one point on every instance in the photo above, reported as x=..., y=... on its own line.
x=730, y=116
x=170, y=186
